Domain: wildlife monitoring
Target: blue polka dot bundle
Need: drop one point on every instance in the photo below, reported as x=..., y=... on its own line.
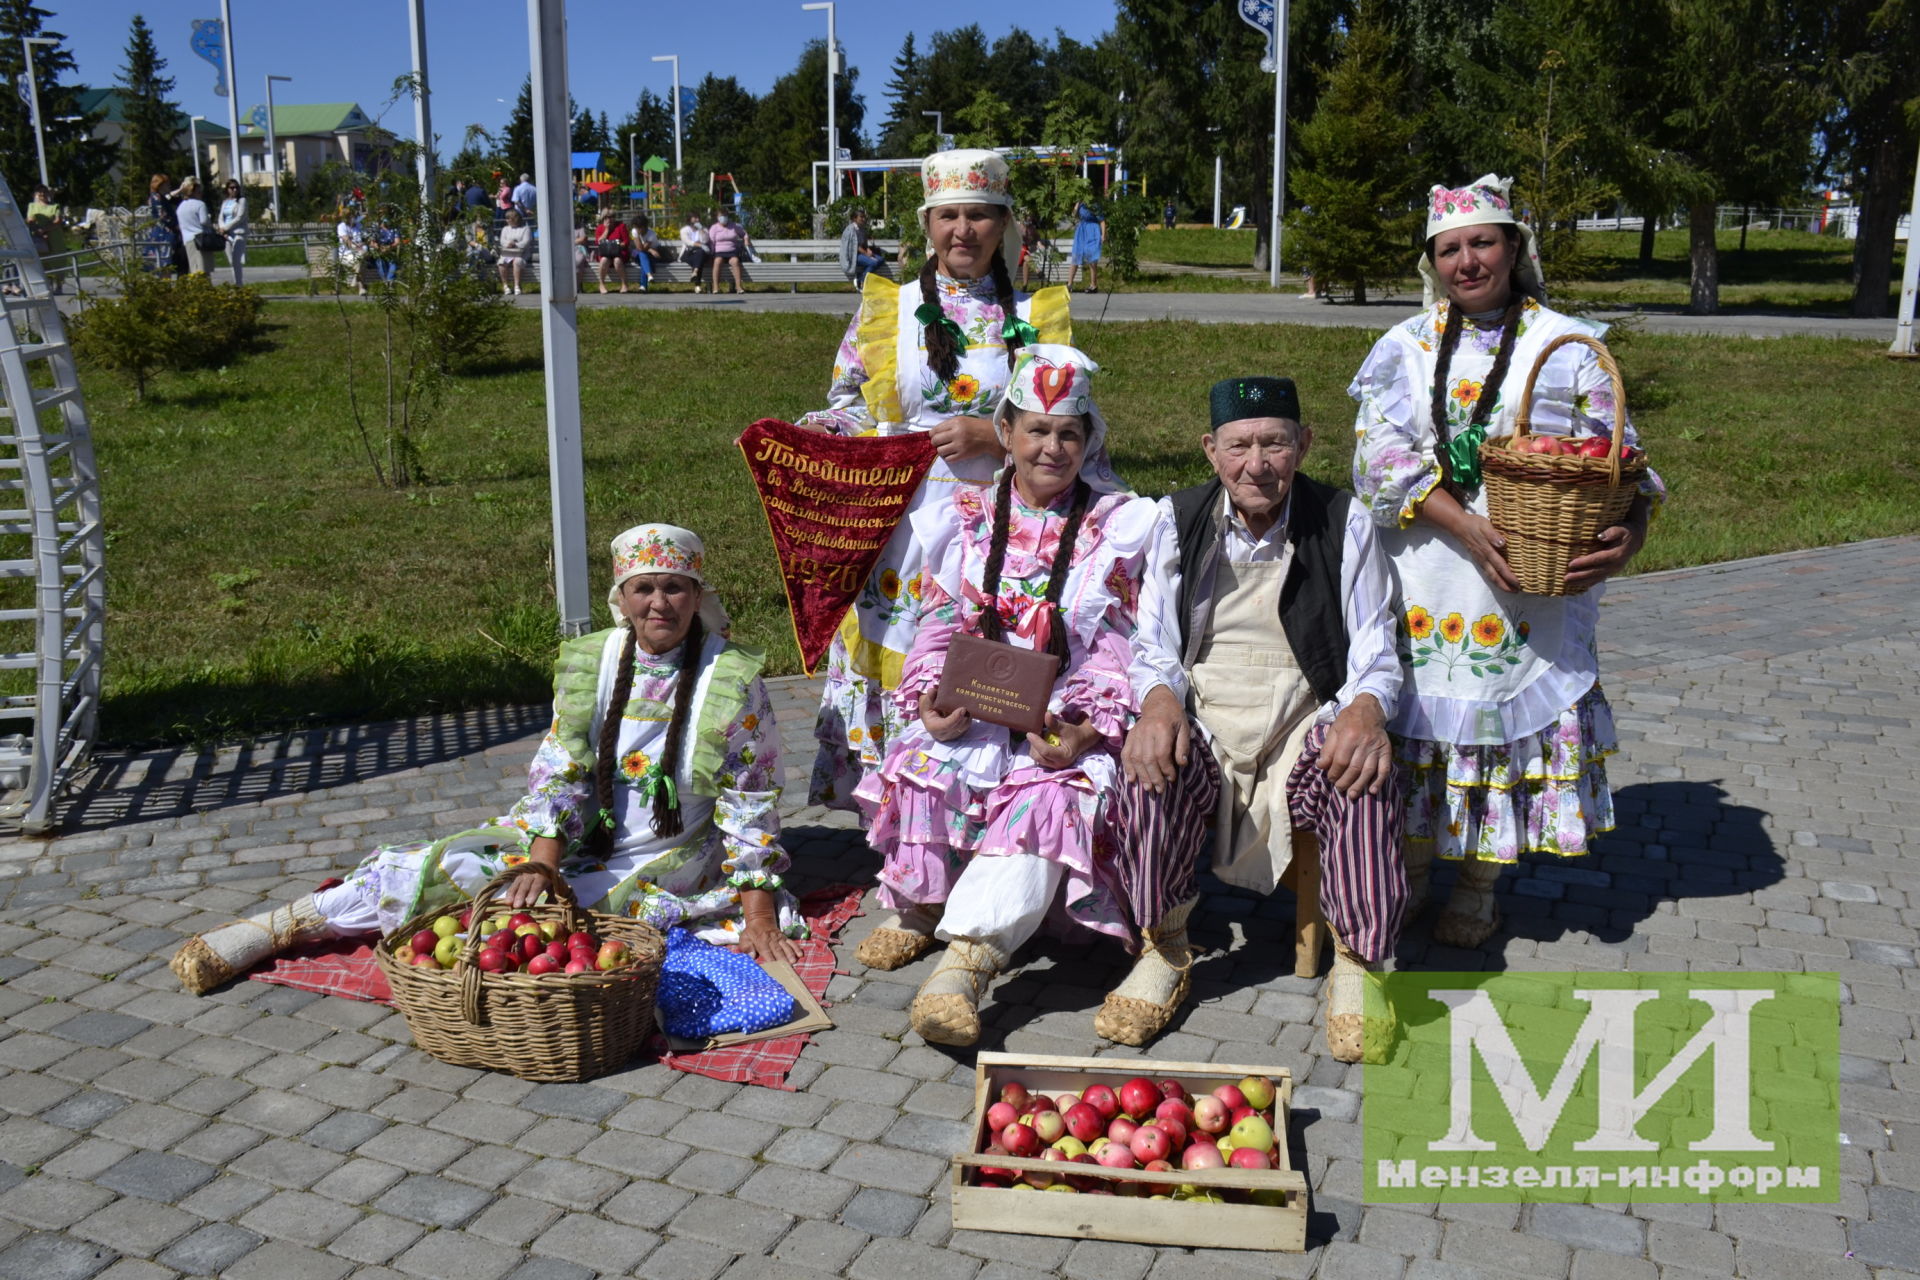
x=708, y=991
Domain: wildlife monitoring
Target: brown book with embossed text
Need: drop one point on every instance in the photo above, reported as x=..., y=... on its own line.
x=997, y=683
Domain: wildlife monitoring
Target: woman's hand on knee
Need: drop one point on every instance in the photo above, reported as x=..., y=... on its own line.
x=945, y=726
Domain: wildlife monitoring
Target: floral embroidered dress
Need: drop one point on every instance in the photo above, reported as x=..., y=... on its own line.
x=1502, y=729
x=933, y=805
x=728, y=786
x=882, y=386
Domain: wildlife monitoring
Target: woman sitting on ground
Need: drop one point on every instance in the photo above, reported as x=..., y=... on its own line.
x=1000, y=828
x=665, y=811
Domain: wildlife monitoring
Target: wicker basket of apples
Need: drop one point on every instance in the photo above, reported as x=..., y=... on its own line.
x=1195, y=1156
x=1551, y=495
x=553, y=992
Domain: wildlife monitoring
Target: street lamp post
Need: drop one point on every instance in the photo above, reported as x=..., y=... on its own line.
x=939, y=127
x=273, y=149
x=233, y=91
x=833, y=132
x=674, y=58
x=193, y=136
x=33, y=90
x=422, y=111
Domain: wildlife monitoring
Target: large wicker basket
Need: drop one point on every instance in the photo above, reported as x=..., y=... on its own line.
x=548, y=1028
x=1551, y=507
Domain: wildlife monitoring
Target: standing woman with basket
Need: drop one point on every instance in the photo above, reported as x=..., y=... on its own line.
x=663, y=812
x=1503, y=733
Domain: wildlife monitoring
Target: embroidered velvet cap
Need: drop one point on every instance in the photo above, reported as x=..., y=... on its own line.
x=665, y=548
x=1487, y=200
x=1233, y=399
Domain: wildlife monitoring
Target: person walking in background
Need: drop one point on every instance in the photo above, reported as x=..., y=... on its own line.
x=232, y=223
x=1167, y=216
x=1089, y=233
x=196, y=232
x=167, y=255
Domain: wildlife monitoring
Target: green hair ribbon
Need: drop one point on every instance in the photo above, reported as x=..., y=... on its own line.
x=1018, y=330
x=656, y=778
x=1463, y=455
x=930, y=315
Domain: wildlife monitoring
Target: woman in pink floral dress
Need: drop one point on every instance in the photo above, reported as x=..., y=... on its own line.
x=1503, y=731
x=1004, y=829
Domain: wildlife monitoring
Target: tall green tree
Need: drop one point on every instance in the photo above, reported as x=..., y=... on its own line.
x=77, y=162
x=650, y=125
x=151, y=144
x=789, y=128
x=903, y=122
x=516, y=143
x=719, y=131
x=1873, y=126
x=1356, y=177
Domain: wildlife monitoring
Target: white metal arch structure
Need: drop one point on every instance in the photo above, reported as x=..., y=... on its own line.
x=52, y=551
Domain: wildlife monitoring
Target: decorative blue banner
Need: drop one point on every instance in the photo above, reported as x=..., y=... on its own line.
x=209, y=42
x=258, y=117
x=1260, y=15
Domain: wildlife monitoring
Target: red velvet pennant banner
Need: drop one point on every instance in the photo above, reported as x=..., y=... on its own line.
x=831, y=502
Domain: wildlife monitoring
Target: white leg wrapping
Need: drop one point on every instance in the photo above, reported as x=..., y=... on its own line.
x=1003, y=898
x=921, y=919
x=1164, y=958
x=245, y=943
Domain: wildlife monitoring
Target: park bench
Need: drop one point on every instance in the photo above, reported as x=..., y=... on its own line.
x=789, y=262
x=322, y=258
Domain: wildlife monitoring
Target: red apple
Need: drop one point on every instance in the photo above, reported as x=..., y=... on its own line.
x=580, y=938
x=530, y=946
x=1066, y=1102
x=1201, y=1155
x=994, y=1171
x=1173, y=1089
x=1210, y=1115
x=1000, y=1115
x=1014, y=1094
x=1116, y=1155
x=1230, y=1094
x=1020, y=1141
x=1241, y=1113
x=1101, y=1099
x=614, y=954
x=1250, y=1158
x=1175, y=1109
x=1200, y=1138
x=1139, y=1096
x=1083, y=1122
x=519, y=918
x=1175, y=1131
x=466, y=920
x=1150, y=1143
x=425, y=961
x=1085, y=1183
x=425, y=940
x=579, y=964
x=1122, y=1129
x=1158, y=1188
x=543, y=964
x=557, y=951
x=1037, y=1103
x=505, y=939
x=493, y=960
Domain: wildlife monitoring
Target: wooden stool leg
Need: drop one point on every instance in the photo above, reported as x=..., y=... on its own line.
x=1309, y=924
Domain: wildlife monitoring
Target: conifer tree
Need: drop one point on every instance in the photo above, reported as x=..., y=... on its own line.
x=151, y=144
x=1354, y=221
x=76, y=160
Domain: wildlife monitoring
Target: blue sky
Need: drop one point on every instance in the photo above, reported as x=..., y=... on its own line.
x=352, y=50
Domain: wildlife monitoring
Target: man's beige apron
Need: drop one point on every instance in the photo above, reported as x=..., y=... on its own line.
x=1257, y=707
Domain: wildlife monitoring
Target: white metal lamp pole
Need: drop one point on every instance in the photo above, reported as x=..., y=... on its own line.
x=833, y=132
x=559, y=323
x=33, y=89
x=193, y=135
x=674, y=58
x=233, y=91
x=939, y=127
x=1909, y=281
x=422, y=113
x=273, y=148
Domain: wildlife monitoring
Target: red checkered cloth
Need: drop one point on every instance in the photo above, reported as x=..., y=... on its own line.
x=346, y=967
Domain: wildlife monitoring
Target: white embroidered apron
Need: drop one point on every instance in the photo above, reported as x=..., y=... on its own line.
x=1257, y=708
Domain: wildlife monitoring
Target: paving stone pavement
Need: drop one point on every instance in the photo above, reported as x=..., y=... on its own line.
x=1770, y=769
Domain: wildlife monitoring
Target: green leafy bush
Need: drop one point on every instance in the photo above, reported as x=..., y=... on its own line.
x=152, y=324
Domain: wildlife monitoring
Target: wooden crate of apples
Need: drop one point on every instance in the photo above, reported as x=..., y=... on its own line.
x=514, y=943
x=1194, y=1154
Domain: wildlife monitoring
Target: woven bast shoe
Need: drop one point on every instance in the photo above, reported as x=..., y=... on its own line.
x=1144, y=1003
x=205, y=962
x=1418, y=857
x=1359, y=1021
x=887, y=948
x=1472, y=913
x=947, y=1008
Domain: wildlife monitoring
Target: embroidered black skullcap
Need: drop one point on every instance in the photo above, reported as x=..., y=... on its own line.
x=1235, y=398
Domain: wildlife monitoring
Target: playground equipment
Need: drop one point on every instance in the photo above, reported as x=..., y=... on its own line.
x=52, y=551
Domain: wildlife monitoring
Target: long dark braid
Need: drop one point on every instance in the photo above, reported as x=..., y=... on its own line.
x=1489, y=390
x=666, y=803
x=599, y=842
x=942, y=357
x=1003, y=292
x=990, y=626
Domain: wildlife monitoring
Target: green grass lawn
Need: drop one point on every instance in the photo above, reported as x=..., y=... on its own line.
x=259, y=578
x=1198, y=247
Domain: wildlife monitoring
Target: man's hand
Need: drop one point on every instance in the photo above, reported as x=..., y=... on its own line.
x=1356, y=756
x=1073, y=741
x=958, y=439
x=945, y=726
x=1158, y=745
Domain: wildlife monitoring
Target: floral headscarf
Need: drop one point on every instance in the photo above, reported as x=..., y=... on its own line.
x=1486, y=200
x=665, y=548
